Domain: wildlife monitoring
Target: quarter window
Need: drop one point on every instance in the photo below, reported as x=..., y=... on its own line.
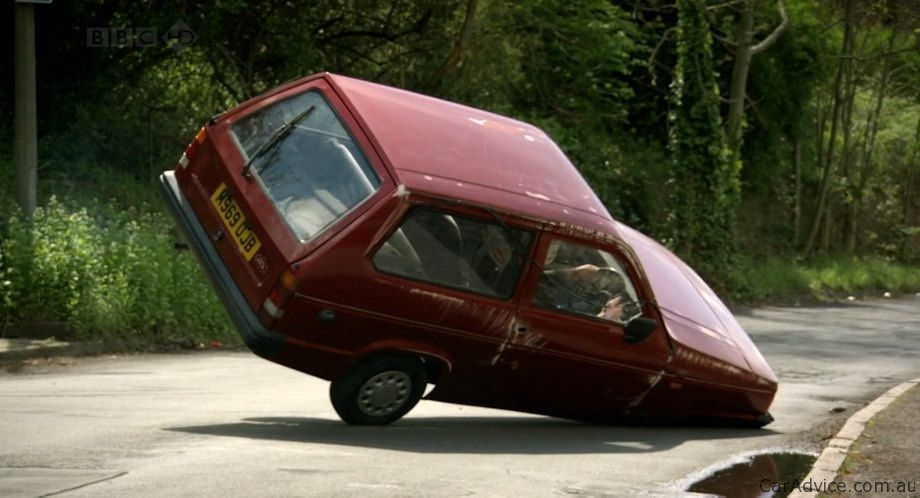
x=455, y=251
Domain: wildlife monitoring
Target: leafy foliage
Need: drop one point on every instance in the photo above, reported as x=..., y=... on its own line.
x=704, y=176
x=115, y=275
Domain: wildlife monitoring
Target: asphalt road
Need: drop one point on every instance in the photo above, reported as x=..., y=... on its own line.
x=231, y=424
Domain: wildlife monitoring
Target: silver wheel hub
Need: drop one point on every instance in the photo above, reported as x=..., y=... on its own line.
x=384, y=393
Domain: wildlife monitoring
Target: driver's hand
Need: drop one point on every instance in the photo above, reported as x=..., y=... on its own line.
x=613, y=309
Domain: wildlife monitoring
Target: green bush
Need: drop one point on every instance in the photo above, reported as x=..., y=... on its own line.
x=113, y=275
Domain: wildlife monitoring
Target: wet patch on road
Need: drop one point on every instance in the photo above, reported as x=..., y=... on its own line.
x=755, y=475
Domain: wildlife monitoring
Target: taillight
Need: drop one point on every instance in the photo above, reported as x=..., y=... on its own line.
x=192, y=148
x=278, y=299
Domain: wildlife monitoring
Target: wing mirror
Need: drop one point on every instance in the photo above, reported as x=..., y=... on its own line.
x=639, y=329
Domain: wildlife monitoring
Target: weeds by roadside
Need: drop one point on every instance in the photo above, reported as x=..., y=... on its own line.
x=109, y=273
x=827, y=278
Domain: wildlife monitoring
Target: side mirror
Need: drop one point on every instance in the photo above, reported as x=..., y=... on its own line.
x=639, y=329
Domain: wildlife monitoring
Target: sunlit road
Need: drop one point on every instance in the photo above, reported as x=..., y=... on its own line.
x=231, y=424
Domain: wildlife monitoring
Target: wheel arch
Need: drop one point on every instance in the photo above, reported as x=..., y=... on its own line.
x=435, y=361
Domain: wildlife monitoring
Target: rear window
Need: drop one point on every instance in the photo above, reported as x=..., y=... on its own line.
x=306, y=161
x=456, y=251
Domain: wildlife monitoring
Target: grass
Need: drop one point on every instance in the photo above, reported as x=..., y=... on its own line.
x=828, y=278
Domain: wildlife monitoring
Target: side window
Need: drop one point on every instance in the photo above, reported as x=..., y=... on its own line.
x=455, y=251
x=586, y=281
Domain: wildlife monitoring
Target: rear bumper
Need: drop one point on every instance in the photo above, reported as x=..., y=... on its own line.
x=260, y=340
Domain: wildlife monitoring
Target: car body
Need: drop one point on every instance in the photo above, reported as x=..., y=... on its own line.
x=386, y=240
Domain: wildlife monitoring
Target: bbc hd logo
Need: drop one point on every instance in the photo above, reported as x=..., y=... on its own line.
x=179, y=36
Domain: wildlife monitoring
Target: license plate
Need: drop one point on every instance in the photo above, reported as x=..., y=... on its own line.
x=235, y=221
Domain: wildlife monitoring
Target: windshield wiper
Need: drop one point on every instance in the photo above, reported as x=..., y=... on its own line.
x=276, y=137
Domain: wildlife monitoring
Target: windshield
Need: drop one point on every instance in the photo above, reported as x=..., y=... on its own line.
x=306, y=161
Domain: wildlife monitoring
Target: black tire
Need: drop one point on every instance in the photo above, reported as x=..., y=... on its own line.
x=378, y=391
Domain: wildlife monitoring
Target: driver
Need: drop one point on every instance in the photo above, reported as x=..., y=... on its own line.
x=585, y=289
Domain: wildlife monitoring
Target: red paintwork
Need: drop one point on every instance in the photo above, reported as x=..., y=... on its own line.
x=427, y=151
x=455, y=151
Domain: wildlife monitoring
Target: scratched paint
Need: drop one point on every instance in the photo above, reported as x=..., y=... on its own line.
x=653, y=381
x=492, y=318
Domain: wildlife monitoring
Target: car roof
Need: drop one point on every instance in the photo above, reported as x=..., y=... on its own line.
x=459, y=152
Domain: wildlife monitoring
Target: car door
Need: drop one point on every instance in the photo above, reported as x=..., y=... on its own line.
x=440, y=282
x=567, y=354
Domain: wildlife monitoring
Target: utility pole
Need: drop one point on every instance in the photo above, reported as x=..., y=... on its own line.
x=25, y=141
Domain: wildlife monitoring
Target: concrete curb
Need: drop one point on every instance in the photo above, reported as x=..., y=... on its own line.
x=828, y=464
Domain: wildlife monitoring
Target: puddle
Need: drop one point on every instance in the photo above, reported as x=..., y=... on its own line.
x=764, y=475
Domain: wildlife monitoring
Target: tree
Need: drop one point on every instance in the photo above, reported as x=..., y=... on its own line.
x=455, y=55
x=828, y=158
x=745, y=50
x=879, y=42
x=704, y=176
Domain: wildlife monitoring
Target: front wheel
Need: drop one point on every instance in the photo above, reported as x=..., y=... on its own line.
x=378, y=391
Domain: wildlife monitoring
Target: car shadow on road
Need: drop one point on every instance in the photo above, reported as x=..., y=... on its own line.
x=475, y=435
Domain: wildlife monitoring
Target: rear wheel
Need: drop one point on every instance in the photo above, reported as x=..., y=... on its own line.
x=378, y=391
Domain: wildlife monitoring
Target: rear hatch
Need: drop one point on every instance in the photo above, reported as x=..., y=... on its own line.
x=271, y=180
